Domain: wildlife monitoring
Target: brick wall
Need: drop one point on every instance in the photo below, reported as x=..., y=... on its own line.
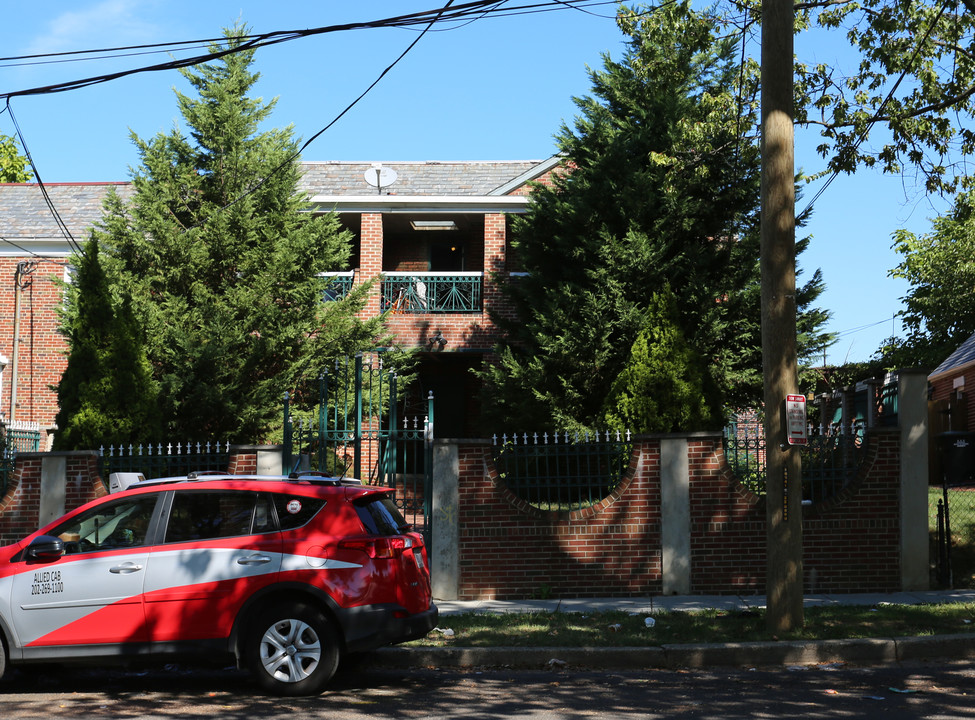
x=509, y=549
x=41, y=359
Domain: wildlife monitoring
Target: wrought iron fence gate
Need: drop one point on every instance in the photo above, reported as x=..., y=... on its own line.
x=359, y=430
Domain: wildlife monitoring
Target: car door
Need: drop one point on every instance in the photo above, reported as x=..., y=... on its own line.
x=219, y=547
x=92, y=593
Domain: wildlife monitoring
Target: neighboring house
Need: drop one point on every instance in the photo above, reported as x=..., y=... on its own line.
x=950, y=384
x=434, y=231
x=949, y=408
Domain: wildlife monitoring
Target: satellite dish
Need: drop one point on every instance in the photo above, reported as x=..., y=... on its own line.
x=380, y=177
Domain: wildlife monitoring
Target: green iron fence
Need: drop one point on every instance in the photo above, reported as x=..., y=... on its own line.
x=427, y=292
x=16, y=437
x=564, y=471
x=830, y=459
x=357, y=431
x=163, y=460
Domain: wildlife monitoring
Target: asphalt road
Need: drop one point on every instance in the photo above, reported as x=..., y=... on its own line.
x=910, y=691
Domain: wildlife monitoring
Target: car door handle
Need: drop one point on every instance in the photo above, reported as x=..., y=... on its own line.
x=254, y=560
x=125, y=568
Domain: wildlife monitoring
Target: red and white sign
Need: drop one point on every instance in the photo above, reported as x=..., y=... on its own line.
x=795, y=418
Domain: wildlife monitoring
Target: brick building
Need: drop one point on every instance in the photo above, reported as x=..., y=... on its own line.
x=435, y=232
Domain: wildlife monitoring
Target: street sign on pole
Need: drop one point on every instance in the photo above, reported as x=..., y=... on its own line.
x=795, y=417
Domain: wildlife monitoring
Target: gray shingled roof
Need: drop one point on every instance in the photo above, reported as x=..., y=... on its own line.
x=24, y=214
x=475, y=179
x=964, y=355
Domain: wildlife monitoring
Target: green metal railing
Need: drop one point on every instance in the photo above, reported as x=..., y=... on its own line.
x=159, y=460
x=337, y=284
x=830, y=460
x=16, y=437
x=565, y=471
x=21, y=437
x=428, y=292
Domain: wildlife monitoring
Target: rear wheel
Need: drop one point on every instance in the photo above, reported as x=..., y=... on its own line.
x=292, y=649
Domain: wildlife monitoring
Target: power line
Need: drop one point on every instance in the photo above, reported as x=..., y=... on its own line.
x=459, y=14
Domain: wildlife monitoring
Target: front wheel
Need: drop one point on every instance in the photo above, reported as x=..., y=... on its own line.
x=292, y=649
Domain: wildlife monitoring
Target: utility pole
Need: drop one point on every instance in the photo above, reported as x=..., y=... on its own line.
x=779, y=365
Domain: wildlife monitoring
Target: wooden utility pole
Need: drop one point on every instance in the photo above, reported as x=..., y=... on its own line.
x=778, y=263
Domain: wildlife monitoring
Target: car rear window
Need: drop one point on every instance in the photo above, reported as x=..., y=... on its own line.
x=381, y=516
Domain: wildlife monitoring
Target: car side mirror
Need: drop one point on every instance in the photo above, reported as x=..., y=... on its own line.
x=45, y=548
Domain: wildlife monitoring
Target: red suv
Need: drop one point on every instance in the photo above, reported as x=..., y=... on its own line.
x=286, y=574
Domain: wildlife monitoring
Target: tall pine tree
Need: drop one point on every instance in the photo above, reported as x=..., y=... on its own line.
x=106, y=395
x=223, y=264
x=661, y=186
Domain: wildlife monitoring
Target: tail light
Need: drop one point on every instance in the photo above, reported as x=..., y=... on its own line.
x=379, y=547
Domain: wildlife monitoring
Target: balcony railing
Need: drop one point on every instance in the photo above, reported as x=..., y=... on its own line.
x=431, y=292
x=337, y=284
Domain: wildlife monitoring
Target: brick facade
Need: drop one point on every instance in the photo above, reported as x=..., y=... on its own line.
x=480, y=196
x=41, y=354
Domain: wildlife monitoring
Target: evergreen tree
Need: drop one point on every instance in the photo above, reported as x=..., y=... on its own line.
x=223, y=264
x=661, y=186
x=661, y=388
x=106, y=395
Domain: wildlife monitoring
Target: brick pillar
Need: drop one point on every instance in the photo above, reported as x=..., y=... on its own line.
x=495, y=237
x=371, y=258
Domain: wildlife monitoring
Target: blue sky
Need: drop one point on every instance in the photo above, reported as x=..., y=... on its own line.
x=494, y=89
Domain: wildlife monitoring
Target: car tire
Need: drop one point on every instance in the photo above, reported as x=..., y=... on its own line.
x=3, y=655
x=292, y=649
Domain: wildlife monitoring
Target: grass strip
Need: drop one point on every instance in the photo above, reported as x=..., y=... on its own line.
x=624, y=629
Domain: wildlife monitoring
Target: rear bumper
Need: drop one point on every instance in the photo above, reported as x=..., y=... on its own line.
x=373, y=626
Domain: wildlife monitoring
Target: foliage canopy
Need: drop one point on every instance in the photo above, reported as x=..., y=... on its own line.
x=223, y=265
x=13, y=165
x=660, y=187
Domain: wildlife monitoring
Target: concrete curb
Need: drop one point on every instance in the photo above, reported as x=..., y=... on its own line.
x=861, y=651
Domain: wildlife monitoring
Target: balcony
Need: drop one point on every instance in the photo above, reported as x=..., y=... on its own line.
x=431, y=292
x=337, y=284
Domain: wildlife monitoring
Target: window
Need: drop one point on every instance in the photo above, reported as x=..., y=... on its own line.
x=381, y=516
x=210, y=515
x=293, y=512
x=111, y=525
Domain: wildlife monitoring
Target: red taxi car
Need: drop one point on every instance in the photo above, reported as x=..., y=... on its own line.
x=285, y=574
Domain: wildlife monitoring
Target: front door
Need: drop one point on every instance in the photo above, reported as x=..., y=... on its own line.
x=93, y=593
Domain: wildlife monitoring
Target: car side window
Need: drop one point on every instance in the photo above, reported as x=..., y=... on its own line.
x=120, y=524
x=293, y=512
x=209, y=515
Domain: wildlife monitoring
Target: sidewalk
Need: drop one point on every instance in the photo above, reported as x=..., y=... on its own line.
x=665, y=603
x=870, y=651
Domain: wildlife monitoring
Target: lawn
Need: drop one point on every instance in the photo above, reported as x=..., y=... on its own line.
x=961, y=505
x=622, y=629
